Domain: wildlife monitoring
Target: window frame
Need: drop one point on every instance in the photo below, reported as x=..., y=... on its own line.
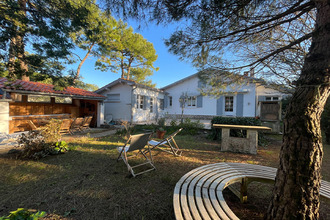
x=140, y=101
x=230, y=108
x=30, y=96
x=151, y=104
x=68, y=103
x=191, y=101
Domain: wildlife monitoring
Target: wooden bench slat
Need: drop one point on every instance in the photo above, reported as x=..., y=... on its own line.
x=199, y=193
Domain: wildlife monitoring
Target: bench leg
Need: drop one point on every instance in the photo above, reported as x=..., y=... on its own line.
x=243, y=195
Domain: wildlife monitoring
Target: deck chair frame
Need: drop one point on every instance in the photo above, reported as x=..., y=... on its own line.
x=32, y=125
x=169, y=143
x=86, y=123
x=76, y=124
x=66, y=126
x=136, y=143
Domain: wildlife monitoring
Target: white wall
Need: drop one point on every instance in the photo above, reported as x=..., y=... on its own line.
x=4, y=116
x=123, y=108
x=209, y=104
x=119, y=110
x=249, y=109
x=144, y=115
x=190, y=86
x=100, y=114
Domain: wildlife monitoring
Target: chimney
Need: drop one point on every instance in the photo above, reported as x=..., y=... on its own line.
x=25, y=78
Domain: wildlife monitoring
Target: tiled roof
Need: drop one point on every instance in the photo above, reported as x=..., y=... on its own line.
x=20, y=85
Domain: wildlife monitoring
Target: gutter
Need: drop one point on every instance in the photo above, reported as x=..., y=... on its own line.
x=54, y=94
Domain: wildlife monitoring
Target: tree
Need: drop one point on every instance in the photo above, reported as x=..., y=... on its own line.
x=214, y=27
x=100, y=32
x=130, y=51
x=41, y=26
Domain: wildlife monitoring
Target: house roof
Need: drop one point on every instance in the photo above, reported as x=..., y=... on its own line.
x=248, y=78
x=180, y=81
x=128, y=82
x=29, y=87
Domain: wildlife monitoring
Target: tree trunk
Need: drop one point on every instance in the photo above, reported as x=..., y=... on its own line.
x=82, y=62
x=122, y=69
x=297, y=184
x=17, y=47
x=12, y=57
x=23, y=67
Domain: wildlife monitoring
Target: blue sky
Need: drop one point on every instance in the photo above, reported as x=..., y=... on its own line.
x=170, y=68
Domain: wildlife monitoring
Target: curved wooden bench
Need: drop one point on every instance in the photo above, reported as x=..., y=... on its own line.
x=198, y=194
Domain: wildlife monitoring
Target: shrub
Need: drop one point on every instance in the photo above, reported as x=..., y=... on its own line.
x=34, y=146
x=216, y=133
x=51, y=131
x=161, y=122
x=173, y=122
x=25, y=214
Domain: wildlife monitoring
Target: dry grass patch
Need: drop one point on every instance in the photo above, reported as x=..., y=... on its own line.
x=88, y=183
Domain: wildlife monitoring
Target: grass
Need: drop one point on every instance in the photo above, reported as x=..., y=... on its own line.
x=88, y=183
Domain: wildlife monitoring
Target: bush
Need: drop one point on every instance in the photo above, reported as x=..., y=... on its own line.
x=216, y=133
x=51, y=131
x=189, y=128
x=161, y=122
x=25, y=214
x=34, y=146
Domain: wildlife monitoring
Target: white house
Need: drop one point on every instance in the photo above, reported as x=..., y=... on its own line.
x=130, y=101
x=137, y=103
x=252, y=99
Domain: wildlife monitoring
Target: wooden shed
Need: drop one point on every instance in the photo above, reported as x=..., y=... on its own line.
x=25, y=100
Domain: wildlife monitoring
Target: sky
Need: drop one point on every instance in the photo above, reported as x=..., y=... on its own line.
x=170, y=68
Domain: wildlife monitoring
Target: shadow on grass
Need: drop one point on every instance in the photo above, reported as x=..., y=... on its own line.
x=88, y=183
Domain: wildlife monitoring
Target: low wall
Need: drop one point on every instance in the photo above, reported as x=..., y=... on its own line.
x=196, y=117
x=4, y=116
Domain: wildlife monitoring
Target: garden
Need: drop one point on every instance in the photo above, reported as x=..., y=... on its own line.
x=81, y=179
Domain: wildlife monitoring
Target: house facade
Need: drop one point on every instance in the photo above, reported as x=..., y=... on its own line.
x=22, y=101
x=237, y=101
x=133, y=102
x=130, y=101
x=250, y=99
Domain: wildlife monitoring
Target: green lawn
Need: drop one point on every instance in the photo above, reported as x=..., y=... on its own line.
x=88, y=183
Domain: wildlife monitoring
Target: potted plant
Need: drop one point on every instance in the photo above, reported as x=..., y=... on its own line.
x=160, y=133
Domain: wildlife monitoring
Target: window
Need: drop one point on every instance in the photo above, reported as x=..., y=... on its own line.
x=113, y=97
x=38, y=98
x=140, y=102
x=191, y=101
x=64, y=100
x=161, y=104
x=272, y=98
x=17, y=97
x=151, y=104
x=229, y=103
x=170, y=101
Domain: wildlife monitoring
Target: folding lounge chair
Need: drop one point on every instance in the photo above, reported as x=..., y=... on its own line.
x=66, y=126
x=86, y=123
x=76, y=124
x=136, y=143
x=32, y=125
x=168, y=142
